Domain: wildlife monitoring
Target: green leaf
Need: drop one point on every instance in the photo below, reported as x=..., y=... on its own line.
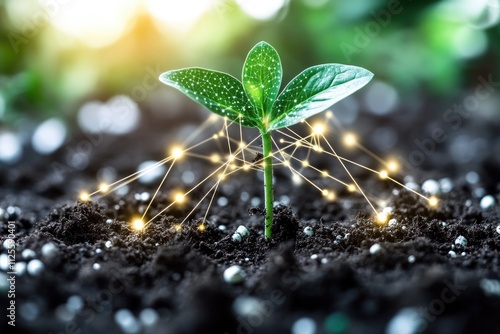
x=262, y=75
x=314, y=90
x=219, y=92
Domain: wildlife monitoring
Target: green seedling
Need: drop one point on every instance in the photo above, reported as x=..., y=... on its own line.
x=256, y=102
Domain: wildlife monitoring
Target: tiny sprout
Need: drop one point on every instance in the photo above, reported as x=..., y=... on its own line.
x=256, y=102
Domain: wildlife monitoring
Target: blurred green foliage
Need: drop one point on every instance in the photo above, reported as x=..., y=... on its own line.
x=436, y=46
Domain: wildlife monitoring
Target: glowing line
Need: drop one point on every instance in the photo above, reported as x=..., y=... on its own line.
x=350, y=175
x=158, y=189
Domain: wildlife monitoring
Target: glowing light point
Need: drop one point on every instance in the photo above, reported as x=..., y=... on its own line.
x=202, y=227
x=325, y=192
x=393, y=166
x=222, y=176
x=246, y=167
x=331, y=196
x=180, y=198
x=433, y=201
x=177, y=152
x=178, y=227
x=329, y=114
x=305, y=163
x=351, y=188
x=216, y=136
x=84, y=196
x=296, y=179
x=242, y=144
x=215, y=158
x=318, y=129
x=231, y=158
x=298, y=143
x=382, y=218
x=282, y=140
x=324, y=173
x=138, y=225
x=317, y=148
x=350, y=140
x=286, y=163
x=383, y=174
x=103, y=187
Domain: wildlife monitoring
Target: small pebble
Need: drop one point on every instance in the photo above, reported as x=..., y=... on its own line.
x=98, y=250
x=96, y=266
x=74, y=303
x=49, y=249
x=472, y=177
x=35, y=267
x=222, y=227
x=443, y=224
x=9, y=243
x=4, y=262
x=388, y=210
x=236, y=237
x=392, y=222
x=127, y=322
x=487, y=202
x=13, y=212
x=461, y=241
x=234, y=274
x=407, y=321
x=452, y=254
x=411, y=258
x=20, y=268
x=498, y=229
x=145, y=196
x=304, y=326
x=243, y=231
x=324, y=260
x=148, y=317
x=308, y=231
x=314, y=256
x=28, y=254
x=468, y=203
x=109, y=221
x=446, y=185
x=431, y=187
x=403, y=227
x=463, y=254
x=108, y=244
x=375, y=248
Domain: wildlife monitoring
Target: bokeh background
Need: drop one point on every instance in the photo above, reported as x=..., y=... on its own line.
x=70, y=68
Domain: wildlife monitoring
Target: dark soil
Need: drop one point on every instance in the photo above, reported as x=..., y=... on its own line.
x=411, y=285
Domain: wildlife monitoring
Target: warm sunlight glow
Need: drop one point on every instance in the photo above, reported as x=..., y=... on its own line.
x=261, y=9
x=94, y=22
x=177, y=14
